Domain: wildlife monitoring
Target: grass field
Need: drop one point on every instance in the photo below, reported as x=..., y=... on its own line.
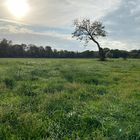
x=69, y=99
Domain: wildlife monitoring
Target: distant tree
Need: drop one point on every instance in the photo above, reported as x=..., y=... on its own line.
x=134, y=54
x=10, y=50
x=49, y=52
x=41, y=52
x=5, y=46
x=115, y=53
x=55, y=53
x=33, y=51
x=16, y=51
x=90, y=31
x=124, y=54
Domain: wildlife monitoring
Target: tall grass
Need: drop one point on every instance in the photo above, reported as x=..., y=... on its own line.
x=62, y=99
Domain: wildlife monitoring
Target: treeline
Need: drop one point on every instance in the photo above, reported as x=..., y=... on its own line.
x=9, y=50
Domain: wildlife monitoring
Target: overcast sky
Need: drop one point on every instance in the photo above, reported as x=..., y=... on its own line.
x=50, y=22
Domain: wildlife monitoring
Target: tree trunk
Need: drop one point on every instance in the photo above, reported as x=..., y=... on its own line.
x=101, y=52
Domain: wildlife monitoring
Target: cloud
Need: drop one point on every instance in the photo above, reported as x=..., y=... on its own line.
x=118, y=44
x=49, y=22
x=10, y=29
x=122, y=20
x=58, y=40
x=123, y=24
x=61, y=13
x=23, y=34
x=12, y=21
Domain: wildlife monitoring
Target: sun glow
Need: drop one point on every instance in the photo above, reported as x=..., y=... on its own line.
x=18, y=8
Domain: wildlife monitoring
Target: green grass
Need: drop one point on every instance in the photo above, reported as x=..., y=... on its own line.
x=69, y=99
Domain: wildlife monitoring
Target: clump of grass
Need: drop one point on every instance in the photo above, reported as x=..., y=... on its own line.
x=9, y=82
x=88, y=80
x=101, y=90
x=26, y=89
x=53, y=88
x=73, y=125
x=54, y=85
x=72, y=87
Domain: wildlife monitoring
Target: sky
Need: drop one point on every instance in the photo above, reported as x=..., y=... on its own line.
x=50, y=22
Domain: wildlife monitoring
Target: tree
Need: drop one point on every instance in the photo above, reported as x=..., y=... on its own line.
x=90, y=31
x=33, y=51
x=10, y=50
x=49, y=52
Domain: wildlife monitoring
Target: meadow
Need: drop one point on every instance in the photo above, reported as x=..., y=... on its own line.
x=69, y=99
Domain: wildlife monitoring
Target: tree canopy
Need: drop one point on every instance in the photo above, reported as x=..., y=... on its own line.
x=8, y=49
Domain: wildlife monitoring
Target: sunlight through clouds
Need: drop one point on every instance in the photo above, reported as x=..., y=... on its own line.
x=18, y=8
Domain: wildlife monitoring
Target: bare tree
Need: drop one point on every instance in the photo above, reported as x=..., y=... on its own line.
x=90, y=31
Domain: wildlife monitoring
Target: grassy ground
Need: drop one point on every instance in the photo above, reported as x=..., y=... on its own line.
x=73, y=99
